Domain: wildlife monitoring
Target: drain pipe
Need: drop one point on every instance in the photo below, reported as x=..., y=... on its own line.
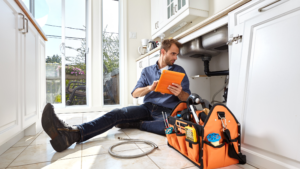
x=206, y=60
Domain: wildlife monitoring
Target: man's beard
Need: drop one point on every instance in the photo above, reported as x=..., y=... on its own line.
x=170, y=62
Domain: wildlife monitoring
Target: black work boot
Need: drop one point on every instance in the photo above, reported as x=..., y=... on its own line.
x=135, y=125
x=62, y=135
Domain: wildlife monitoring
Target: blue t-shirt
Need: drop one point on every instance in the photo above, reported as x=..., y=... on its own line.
x=151, y=74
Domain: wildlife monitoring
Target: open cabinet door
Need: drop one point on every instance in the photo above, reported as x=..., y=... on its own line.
x=264, y=82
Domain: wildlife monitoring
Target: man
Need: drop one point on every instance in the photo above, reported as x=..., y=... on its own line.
x=147, y=117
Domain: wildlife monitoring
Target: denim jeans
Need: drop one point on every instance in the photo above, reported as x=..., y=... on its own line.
x=149, y=114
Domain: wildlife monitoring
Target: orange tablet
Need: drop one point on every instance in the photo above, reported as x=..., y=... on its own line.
x=167, y=78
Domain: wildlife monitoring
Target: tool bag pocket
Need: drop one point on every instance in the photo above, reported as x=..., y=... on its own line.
x=214, y=155
x=172, y=140
x=182, y=144
x=193, y=150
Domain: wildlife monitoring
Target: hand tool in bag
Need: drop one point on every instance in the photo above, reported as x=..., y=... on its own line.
x=169, y=130
x=195, y=99
x=190, y=134
x=164, y=119
x=167, y=119
x=214, y=138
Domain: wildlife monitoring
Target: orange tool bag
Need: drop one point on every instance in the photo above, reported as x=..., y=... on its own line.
x=192, y=140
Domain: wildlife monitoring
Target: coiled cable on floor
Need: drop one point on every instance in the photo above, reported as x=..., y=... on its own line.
x=132, y=141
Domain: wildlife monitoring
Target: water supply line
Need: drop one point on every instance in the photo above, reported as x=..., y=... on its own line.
x=132, y=141
x=213, y=98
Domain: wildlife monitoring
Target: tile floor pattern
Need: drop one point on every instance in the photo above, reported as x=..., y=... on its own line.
x=35, y=152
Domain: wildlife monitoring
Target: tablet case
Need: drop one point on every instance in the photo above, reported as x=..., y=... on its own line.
x=167, y=78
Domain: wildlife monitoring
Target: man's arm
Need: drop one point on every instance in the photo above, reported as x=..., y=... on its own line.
x=176, y=89
x=142, y=91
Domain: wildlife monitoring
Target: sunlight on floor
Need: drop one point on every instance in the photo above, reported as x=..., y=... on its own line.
x=35, y=152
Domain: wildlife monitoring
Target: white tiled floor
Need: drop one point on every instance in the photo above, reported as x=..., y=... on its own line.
x=34, y=152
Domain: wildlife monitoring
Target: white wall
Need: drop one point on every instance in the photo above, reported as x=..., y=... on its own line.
x=138, y=20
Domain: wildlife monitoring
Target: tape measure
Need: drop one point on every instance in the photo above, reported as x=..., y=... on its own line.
x=190, y=134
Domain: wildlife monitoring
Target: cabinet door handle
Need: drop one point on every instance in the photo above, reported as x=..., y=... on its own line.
x=260, y=9
x=175, y=8
x=23, y=17
x=26, y=26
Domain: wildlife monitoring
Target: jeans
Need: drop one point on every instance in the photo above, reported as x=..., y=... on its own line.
x=150, y=116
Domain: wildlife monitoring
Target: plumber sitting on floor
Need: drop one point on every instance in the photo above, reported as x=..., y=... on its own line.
x=147, y=117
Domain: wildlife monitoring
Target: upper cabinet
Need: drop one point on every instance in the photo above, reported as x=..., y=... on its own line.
x=167, y=16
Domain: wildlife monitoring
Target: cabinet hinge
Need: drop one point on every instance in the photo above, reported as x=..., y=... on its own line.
x=235, y=39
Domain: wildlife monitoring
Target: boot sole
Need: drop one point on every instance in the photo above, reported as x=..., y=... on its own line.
x=57, y=140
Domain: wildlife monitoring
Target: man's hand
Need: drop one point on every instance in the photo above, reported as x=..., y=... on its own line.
x=175, y=89
x=153, y=86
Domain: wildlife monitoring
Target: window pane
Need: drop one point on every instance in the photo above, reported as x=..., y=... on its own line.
x=110, y=55
x=183, y=2
x=179, y=4
x=48, y=15
x=27, y=3
x=75, y=41
x=172, y=10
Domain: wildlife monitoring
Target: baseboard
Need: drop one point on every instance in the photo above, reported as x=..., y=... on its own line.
x=264, y=162
x=78, y=109
x=11, y=142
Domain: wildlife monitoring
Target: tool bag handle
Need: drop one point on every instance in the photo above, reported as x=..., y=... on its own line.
x=231, y=150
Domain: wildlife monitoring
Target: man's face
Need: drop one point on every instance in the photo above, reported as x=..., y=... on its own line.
x=171, y=56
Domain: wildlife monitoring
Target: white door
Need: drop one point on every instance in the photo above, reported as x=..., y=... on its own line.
x=30, y=75
x=267, y=92
x=10, y=121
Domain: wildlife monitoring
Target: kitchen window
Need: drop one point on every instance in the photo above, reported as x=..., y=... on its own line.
x=111, y=52
x=65, y=25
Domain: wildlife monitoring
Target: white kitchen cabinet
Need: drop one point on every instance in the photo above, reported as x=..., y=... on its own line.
x=30, y=74
x=168, y=15
x=153, y=58
x=10, y=68
x=20, y=71
x=265, y=80
x=158, y=15
x=155, y=10
x=141, y=64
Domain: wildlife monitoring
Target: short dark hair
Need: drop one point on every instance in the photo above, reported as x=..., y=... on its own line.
x=167, y=43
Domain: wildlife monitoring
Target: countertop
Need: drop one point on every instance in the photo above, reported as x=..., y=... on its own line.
x=31, y=18
x=202, y=24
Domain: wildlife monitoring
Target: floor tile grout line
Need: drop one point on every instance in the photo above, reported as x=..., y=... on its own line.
x=17, y=156
x=153, y=162
x=44, y=162
x=24, y=149
x=143, y=151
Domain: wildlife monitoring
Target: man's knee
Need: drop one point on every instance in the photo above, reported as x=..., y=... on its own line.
x=115, y=114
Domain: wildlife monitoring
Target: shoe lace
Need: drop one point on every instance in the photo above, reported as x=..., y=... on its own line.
x=65, y=124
